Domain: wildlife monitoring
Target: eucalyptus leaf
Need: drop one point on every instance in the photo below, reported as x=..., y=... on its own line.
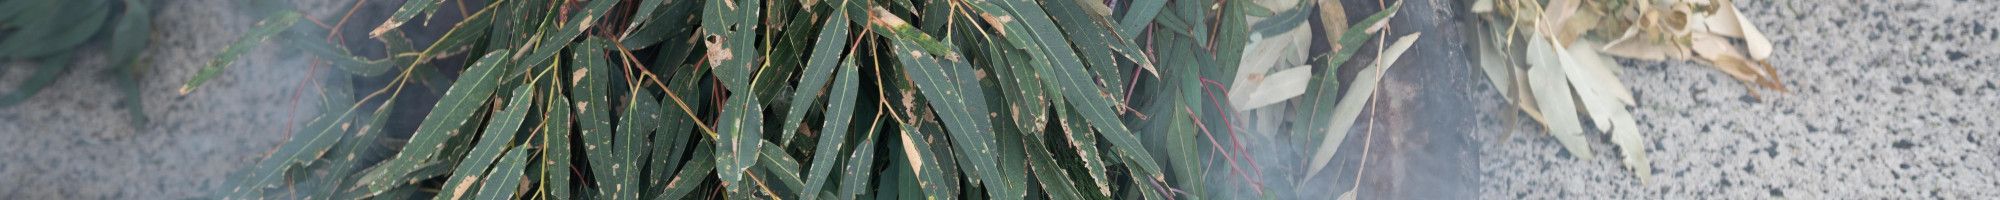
x=1552, y=95
x=1358, y=95
x=265, y=29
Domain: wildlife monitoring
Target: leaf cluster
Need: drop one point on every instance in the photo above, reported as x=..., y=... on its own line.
x=49, y=33
x=1551, y=59
x=810, y=99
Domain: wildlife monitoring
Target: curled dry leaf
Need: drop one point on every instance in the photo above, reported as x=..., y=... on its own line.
x=1760, y=46
x=1723, y=56
x=1724, y=23
x=1578, y=24
x=1632, y=45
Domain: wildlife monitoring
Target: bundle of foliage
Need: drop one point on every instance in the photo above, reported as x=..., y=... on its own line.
x=834, y=99
x=49, y=34
x=1551, y=59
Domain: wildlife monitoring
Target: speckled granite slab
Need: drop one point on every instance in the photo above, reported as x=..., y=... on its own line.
x=1891, y=99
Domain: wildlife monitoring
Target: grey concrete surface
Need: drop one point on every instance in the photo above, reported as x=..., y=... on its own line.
x=72, y=141
x=1891, y=99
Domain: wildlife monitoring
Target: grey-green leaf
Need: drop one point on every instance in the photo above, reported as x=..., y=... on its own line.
x=741, y=133
x=46, y=72
x=555, y=139
x=265, y=29
x=498, y=134
x=781, y=166
x=1053, y=178
x=832, y=40
x=1139, y=15
x=692, y=175
x=925, y=164
x=860, y=164
x=590, y=90
x=505, y=180
x=672, y=137
x=969, y=124
x=132, y=33
x=553, y=43
x=404, y=13
x=453, y=110
x=317, y=136
x=641, y=116
x=839, y=113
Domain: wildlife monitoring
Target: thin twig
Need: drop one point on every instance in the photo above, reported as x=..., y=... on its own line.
x=1233, y=167
x=335, y=31
x=1367, y=141
x=655, y=78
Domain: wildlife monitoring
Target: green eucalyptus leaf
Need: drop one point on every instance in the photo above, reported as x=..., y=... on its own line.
x=266, y=28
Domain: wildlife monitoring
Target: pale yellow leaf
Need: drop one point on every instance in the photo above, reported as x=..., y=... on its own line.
x=1724, y=56
x=1576, y=26
x=1552, y=95
x=1600, y=69
x=1736, y=67
x=1724, y=23
x=1556, y=14
x=1589, y=86
x=1350, y=105
x=1262, y=55
x=1760, y=46
x=1497, y=68
x=1625, y=134
x=1271, y=89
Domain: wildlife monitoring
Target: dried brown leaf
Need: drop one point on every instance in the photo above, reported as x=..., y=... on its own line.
x=1333, y=17
x=1760, y=46
x=1723, y=22
x=1557, y=13
x=1635, y=44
